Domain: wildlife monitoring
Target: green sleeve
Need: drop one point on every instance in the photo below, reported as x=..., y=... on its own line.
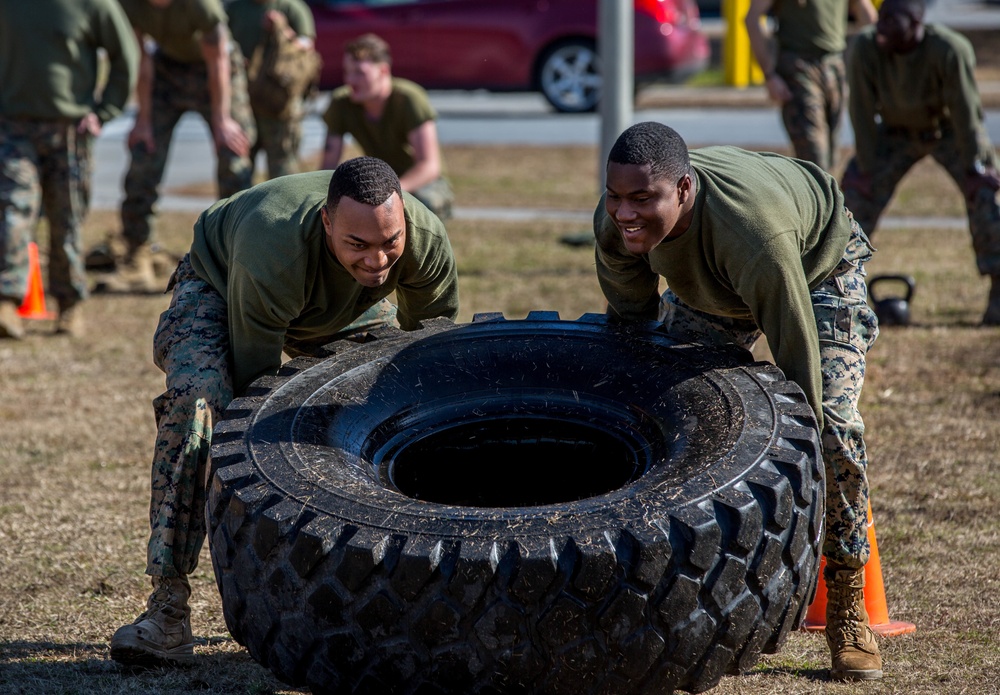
x=118, y=40
x=418, y=110
x=961, y=97
x=429, y=287
x=863, y=102
x=777, y=293
x=628, y=283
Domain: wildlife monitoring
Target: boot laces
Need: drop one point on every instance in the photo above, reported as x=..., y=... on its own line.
x=849, y=625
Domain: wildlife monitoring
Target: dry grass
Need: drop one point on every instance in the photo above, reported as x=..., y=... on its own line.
x=78, y=430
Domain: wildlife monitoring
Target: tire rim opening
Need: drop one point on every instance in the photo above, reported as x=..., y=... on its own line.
x=513, y=462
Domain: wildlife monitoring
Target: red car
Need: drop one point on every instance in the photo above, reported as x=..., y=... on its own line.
x=510, y=45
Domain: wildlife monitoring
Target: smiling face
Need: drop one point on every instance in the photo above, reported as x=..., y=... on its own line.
x=647, y=210
x=366, y=239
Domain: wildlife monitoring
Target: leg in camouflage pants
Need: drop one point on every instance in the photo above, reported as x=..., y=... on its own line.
x=177, y=89
x=191, y=346
x=43, y=164
x=280, y=139
x=847, y=328
x=812, y=116
x=437, y=196
x=897, y=154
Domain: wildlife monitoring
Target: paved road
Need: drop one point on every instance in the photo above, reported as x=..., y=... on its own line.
x=464, y=118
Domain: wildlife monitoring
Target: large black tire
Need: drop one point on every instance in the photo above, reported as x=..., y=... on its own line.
x=516, y=506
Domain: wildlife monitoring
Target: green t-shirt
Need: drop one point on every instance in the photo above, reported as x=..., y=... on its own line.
x=49, y=58
x=245, y=17
x=264, y=251
x=932, y=86
x=386, y=138
x=811, y=28
x=766, y=229
x=178, y=27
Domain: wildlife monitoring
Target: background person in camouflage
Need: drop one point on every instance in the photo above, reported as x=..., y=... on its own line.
x=805, y=69
x=187, y=64
x=250, y=22
x=49, y=118
x=757, y=243
x=296, y=261
x=914, y=94
x=390, y=118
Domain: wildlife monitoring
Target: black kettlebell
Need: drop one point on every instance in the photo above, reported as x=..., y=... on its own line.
x=892, y=311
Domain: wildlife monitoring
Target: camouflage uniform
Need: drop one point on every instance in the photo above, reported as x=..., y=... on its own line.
x=43, y=162
x=49, y=68
x=812, y=116
x=191, y=346
x=904, y=109
x=898, y=151
x=179, y=87
x=847, y=329
x=811, y=37
x=278, y=137
x=437, y=196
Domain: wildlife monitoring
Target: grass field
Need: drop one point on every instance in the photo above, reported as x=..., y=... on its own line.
x=77, y=434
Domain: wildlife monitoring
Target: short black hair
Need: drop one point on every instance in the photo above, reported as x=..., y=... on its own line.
x=368, y=180
x=654, y=144
x=913, y=8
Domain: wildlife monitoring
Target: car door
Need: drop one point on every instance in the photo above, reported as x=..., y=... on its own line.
x=440, y=44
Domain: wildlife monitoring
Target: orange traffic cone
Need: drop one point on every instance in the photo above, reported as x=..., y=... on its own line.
x=33, y=306
x=878, y=612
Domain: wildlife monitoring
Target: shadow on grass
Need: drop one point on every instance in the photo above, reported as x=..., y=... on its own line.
x=817, y=675
x=86, y=667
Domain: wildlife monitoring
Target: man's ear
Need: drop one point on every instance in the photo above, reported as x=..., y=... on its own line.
x=685, y=188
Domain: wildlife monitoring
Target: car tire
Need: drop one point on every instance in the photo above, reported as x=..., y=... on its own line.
x=516, y=506
x=568, y=74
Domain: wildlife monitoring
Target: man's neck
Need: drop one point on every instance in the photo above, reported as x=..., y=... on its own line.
x=375, y=107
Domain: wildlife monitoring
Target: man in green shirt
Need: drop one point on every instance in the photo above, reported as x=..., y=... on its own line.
x=914, y=94
x=806, y=74
x=294, y=262
x=390, y=118
x=49, y=117
x=256, y=24
x=749, y=244
x=187, y=64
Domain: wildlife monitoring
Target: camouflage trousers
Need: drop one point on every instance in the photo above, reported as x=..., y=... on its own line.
x=44, y=165
x=279, y=139
x=847, y=328
x=812, y=116
x=191, y=347
x=897, y=153
x=437, y=196
x=179, y=88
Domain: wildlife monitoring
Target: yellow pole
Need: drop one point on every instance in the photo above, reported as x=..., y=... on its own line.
x=739, y=66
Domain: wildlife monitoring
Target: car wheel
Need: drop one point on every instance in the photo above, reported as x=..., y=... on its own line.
x=569, y=75
x=516, y=506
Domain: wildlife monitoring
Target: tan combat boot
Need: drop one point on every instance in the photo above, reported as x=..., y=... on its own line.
x=852, y=642
x=992, y=315
x=70, y=320
x=162, y=633
x=11, y=325
x=135, y=274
